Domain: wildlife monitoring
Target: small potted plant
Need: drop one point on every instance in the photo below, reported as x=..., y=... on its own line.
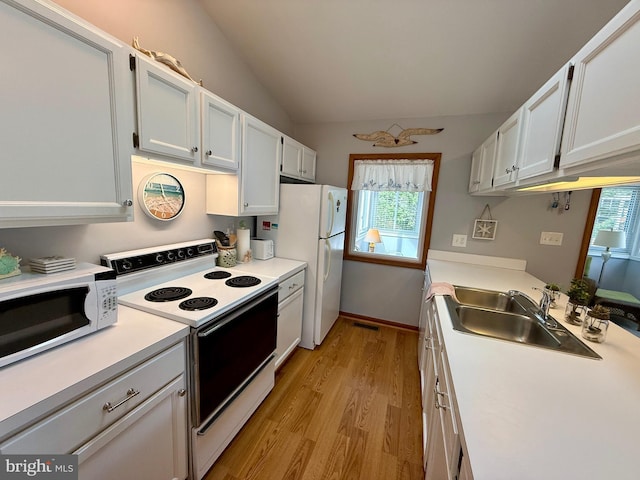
x=594, y=327
x=553, y=289
x=578, y=294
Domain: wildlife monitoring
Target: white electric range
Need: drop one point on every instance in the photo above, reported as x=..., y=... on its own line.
x=233, y=319
x=181, y=282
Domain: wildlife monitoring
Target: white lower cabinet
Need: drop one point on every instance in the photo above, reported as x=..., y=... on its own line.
x=290, y=306
x=443, y=452
x=133, y=427
x=150, y=442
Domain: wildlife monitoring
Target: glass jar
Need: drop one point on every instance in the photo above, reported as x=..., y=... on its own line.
x=574, y=313
x=595, y=329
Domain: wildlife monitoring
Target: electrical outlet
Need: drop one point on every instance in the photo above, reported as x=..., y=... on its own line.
x=551, y=238
x=459, y=240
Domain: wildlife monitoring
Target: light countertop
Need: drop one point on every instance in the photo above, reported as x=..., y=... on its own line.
x=32, y=387
x=273, y=267
x=532, y=413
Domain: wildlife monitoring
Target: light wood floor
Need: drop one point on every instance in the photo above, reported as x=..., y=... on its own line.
x=350, y=409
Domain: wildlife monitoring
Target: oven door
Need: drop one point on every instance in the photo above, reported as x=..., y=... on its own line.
x=230, y=351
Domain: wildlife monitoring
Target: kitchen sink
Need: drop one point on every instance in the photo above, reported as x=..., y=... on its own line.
x=493, y=300
x=507, y=326
x=510, y=316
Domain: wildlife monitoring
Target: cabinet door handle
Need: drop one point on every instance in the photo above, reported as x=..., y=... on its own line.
x=127, y=203
x=182, y=392
x=194, y=149
x=132, y=392
x=246, y=205
x=437, y=404
x=208, y=153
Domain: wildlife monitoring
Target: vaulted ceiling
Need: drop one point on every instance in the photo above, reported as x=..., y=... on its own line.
x=349, y=60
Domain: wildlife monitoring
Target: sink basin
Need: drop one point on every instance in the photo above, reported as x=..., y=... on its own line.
x=493, y=300
x=510, y=317
x=507, y=326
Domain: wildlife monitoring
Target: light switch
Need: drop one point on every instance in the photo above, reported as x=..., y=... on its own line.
x=551, y=238
x=459, y=240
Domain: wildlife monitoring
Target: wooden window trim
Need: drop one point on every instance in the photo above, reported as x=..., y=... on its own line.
x=436, y=158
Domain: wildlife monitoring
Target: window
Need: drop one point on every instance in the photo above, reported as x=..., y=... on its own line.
x=390, y=207
x=619, y=210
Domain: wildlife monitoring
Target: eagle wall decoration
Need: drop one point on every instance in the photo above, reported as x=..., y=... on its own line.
x=382, y=138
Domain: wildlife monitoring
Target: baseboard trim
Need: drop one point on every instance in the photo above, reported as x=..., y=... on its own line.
x=378, y=321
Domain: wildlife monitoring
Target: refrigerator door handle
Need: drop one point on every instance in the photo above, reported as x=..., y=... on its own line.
x=332, y=205
x=327, y=260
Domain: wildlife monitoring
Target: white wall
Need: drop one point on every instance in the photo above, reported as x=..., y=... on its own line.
x=393, y=293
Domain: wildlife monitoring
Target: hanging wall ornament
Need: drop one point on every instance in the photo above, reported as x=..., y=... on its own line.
x=383, y=138
x=485, y=228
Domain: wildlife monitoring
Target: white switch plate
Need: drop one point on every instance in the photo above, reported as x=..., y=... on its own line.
x=459, y=240
x=551, y=238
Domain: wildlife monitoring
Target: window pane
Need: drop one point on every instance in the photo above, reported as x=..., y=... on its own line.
x=396, y=215
x=618, y=210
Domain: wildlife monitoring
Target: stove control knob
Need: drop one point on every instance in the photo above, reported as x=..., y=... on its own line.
x=181, y=254
x=171, y=256
x=159, y=258
x=190, y=252
x=126, y=265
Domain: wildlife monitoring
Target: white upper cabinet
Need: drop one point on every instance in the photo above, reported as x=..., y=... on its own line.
x=507, y=159
x=261, y=152
x=66, y=117
x=168, y=122
x=482, y=166
x=603, y=114
x=220, y=132
x=255, y=189
x=542, y=122
x=308, y=170
x=298, y=161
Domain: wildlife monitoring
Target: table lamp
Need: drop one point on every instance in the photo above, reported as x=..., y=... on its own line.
x=609, y=239
x=373, y=237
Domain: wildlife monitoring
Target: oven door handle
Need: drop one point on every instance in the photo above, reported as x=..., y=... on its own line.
x=235, y=314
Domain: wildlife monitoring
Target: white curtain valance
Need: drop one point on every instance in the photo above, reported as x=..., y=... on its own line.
x=396, y=175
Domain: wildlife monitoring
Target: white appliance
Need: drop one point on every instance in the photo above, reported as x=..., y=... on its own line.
x=41, y=311
x=310, y=227
x=262, y=249
x=233, y=318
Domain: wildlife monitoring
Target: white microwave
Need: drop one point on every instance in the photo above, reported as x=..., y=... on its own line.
x=42, y=311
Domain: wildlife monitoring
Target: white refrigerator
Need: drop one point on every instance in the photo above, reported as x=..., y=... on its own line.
x=310, y=227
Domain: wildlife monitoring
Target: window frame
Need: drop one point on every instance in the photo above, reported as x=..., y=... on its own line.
x=427, y=212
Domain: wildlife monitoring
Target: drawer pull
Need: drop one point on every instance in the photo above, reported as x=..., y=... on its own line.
x=132, y=392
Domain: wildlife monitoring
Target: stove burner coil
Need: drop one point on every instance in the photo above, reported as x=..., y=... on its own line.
x=168, y=294
x=198, y=303
x=243, y=281
x=217, y=275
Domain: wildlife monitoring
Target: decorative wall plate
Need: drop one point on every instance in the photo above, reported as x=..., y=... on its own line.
x=161, y=196
x=485, y=229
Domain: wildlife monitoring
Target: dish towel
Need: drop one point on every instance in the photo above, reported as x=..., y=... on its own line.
x=441, y=288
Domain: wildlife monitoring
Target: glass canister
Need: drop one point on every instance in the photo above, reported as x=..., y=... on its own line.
x=227, y=256
x=574, y=313
x=595, y=325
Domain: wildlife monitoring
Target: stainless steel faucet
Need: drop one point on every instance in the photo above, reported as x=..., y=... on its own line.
x=545, y=303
